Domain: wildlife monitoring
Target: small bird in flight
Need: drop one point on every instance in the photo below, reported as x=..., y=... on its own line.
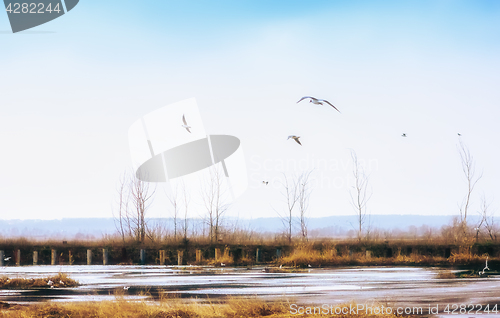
x=185, y=124
x=459, y=134
x=295, y=138
x=403, y=135
x=265, y=182
x=317, y=101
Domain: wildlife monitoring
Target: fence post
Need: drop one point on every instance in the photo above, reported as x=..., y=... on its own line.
x=18, y=257
x=104, y=256
x=198, y=256
x=89, y=257
x=162, y=257
x=180, y=254
x=53, y=257
x=143, y=256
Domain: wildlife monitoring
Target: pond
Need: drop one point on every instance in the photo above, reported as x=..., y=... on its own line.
x=371, y=286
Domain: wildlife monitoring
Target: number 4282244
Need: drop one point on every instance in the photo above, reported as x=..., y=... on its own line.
x=32, y=8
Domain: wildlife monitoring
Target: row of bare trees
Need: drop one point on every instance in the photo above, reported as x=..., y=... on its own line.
x=135, y=197
x=296, y=190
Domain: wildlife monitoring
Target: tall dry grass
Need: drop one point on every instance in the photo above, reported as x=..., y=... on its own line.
x=304, y=255
x=234, y=308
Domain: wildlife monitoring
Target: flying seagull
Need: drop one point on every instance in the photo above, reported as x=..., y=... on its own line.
x=7, y=259
x=295, y=138
x=185, y=124
x=317, y=101
x=265, y=182
x=403, y=135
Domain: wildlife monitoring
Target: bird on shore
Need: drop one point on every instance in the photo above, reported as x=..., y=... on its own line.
x=126, y=287
x=50, y=283
x=485, y=268
x=317, y=101
x=403, y=135
x=185, y=124
x=296, y=138
x=222, y=264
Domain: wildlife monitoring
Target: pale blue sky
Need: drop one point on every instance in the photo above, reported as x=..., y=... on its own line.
x=426, y=68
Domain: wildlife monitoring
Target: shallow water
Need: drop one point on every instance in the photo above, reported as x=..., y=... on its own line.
x=394, y=287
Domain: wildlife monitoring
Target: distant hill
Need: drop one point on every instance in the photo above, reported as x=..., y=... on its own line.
x=332, y=226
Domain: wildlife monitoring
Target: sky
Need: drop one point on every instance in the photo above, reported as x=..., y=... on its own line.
x=71, y=88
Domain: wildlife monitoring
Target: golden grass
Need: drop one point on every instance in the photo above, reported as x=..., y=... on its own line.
x=58, y=281
x=306, y=256
x=172, y=308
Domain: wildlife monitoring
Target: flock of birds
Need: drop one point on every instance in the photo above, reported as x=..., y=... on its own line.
x=315, y=101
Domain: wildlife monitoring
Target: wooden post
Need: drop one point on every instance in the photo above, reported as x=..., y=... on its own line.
x=104, y=256
x=217, y=254
x=199, y=256
x=143, y=256
x=18, y=257
x=53, y=257
x=2, y=256
x=89, y=257
x=35, y=257
x=162, y=257
x=179, y=257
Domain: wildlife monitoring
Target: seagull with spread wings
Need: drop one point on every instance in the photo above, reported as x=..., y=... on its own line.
x=296, y=138
x=185, y=124
x=317, y=101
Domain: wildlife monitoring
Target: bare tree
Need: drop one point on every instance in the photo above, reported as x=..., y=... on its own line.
x=186, y=200
x=215, y=195
x=361, y=196
x=469, y=170
x=122, y=221
x=290, y=193
x=304, y=193
x=134, y=198
x=174, y=201
x=142, y=196
x=488, y=220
